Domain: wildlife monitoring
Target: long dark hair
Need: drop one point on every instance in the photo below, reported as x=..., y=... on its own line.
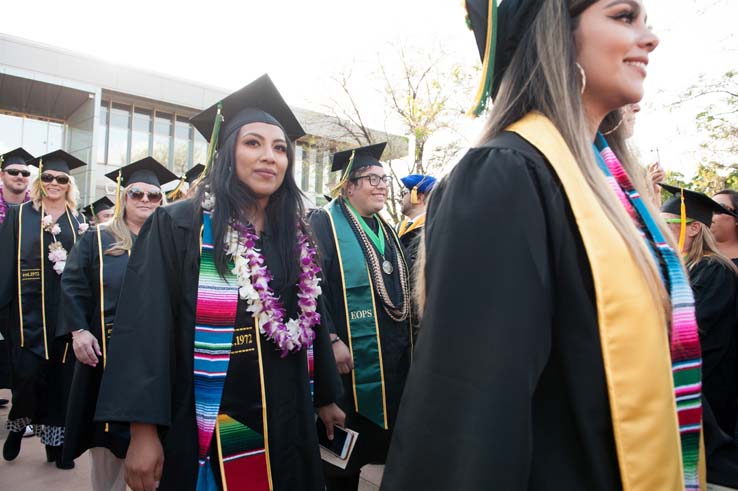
x=236, y=202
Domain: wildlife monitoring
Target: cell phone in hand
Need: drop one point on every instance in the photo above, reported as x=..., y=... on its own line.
x=340, y=444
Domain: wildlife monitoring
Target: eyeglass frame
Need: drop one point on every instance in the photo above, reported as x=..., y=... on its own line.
x=148, y=194
x=374, y=177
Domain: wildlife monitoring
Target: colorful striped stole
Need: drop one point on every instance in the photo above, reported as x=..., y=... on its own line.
x=242, y=454
x=685, y=346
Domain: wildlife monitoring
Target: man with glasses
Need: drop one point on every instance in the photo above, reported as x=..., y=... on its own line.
x=367, y=306
x=13, y=191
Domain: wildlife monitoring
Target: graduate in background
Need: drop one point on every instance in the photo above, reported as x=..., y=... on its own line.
x=185, y=188
x=208, y=361
x=368, y=298
x=14, y=176
x=714, y=280
x=414, y=196
x=91, y=286
x=36, y=238
x=545, y=360
x=99, y=211
x=724, y=227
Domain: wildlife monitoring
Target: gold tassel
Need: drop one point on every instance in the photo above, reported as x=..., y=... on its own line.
x=336, y=190
x=414, y=196
x=41, y=183
x=118, y=204
x=177, y=193
x=683, y=224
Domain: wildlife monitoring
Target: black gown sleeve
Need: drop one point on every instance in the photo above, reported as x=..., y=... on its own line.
x=138, y=381
x=487, y=330
x=8, y=257
x=714, y=286
x=328, y=387
x=77, y=295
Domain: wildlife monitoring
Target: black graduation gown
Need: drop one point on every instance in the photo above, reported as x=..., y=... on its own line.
x=40, y=386
x=5, y=345
x=507, y=387
x=81, y=310
x=410, y=241
x=149, y=377
x=715, y=289
x=395, y=338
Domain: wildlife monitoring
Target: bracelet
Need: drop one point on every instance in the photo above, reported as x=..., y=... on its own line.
x=334, y=341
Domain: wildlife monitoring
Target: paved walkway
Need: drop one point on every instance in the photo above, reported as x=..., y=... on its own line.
x=30, y=472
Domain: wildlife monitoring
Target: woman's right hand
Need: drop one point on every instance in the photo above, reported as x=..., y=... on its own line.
x=145, y=458
x=86, y=348
x=344, y=362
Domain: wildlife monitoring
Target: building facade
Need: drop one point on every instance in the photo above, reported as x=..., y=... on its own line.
x=110, y=115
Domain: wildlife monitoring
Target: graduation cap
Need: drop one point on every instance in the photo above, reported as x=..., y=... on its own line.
x=17, y=156
x=147, y=170
x=58, y=160
x=498, y=32
x=188, y=177
x=419, y=181
x=97, y=206
x=354, y=159
x=691, y=205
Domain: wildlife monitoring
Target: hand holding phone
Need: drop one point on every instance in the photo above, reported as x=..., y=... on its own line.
x=340, y=444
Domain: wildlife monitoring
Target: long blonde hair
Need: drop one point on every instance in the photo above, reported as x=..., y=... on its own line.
x=704, y=246
x=543, y=76
x=71, y=197
x=118, y=227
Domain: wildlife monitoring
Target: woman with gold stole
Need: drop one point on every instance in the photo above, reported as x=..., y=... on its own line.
x=368, y=299
x=559, y=346
x=90, y=289
x=36, y=238
x=208, y=360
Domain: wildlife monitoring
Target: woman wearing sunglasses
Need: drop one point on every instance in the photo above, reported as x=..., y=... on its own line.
x=209, y=360
x=559, y=345
x=91, y=286
x=36, y=238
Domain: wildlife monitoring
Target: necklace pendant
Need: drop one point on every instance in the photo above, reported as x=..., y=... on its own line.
x=387, y=267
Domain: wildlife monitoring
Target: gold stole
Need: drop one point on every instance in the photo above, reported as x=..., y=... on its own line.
x=632, y=326
x=419, y=222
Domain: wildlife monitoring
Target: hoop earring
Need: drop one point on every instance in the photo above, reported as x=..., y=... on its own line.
x=584, y=77
x=614, y=129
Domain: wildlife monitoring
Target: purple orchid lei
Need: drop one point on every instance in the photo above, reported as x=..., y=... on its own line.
x=253, y=280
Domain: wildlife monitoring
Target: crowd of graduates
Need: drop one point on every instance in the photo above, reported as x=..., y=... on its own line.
x=538, y=320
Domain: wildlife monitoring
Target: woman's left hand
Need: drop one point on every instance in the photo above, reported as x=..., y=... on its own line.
x=331, y=415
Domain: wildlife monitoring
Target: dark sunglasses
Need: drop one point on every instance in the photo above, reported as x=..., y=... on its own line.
x=15, y=172
x=137, y=194
x=49, y=178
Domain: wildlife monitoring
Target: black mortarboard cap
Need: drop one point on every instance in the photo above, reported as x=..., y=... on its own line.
x=194, y=173
x=514, y=18
x=97, y=206
x=363, y=157
x=58, y=160
x=147, y=170
x=15, y=157
x=699, y=206
x=258, y=102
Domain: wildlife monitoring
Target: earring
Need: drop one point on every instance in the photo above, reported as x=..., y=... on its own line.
x=584, y=77
x=614, y=129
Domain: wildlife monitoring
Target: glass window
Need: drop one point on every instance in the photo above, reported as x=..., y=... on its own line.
x=141, y=135
x=162, y=138
x=120, y=123
x=297, y=168
x=56, y=136
x=102, y=134
x=200, y=148
x=306, y=158
x=35, y=136
x=182, y=146
x=318, y=166
x=11, y=132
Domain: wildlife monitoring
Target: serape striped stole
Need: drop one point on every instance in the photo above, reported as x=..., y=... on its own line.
x=241, y=450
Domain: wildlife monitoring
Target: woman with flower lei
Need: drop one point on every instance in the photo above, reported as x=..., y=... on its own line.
x=209, y=359
x=35, y=238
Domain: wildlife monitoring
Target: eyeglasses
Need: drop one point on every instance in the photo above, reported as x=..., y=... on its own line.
x=677, y=220
x=15, y=172
x=49, y=178
x=374, y=179
x=137, y=194
x=404, y=192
